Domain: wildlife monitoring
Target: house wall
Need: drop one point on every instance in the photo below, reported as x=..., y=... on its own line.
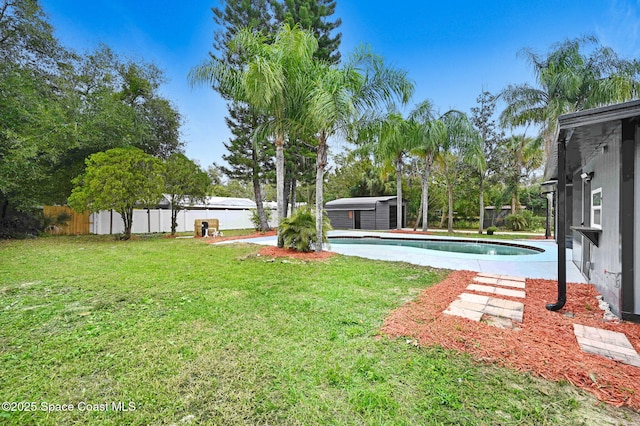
x=636, y=239
x=576, y=220
x=607, y=257
x=340, y=219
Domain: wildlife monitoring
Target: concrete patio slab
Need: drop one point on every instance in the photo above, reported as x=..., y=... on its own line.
x=606, y=343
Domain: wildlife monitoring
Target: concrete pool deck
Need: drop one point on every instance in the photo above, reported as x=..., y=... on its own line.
x=542, y=265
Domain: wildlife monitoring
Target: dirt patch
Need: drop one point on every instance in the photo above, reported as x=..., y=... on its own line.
x=272, y=251
x=544, y=345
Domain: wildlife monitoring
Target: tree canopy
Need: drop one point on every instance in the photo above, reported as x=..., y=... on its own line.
x=119, y=179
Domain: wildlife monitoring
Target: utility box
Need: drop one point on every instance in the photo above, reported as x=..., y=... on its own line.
x=202, y=226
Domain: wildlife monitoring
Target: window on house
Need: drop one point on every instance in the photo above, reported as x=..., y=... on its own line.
x=596, y=208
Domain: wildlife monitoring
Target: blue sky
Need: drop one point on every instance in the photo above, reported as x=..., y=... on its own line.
x=451, y=50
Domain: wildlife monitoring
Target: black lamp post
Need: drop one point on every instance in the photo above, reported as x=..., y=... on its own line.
x=548, y=187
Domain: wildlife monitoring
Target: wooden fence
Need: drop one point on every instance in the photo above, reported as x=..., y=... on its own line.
x=78, y=224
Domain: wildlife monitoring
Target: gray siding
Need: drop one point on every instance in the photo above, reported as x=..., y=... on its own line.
x=382, y=215
x=576, y=220
x=368, y=219
x=636, y=239
x=340, y=219
x=607, y=257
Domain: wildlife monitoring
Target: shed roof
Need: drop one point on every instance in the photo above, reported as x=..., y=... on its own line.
x=585, y=133
x=357, y=203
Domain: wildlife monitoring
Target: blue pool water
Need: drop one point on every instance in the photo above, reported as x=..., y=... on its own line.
x=458, y=246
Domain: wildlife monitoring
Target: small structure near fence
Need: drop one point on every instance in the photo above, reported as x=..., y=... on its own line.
x=365, y=212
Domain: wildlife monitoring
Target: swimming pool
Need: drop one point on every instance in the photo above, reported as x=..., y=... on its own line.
x=491, y=248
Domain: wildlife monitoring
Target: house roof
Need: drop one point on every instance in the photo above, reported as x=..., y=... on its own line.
x=357, y=203
x=219, y=203
x=586, y=133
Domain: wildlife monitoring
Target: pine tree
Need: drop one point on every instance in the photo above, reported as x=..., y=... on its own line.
x=248, y=159
x=313, y=15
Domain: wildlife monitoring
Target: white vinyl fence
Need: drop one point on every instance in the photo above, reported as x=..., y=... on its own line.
x=159, y=220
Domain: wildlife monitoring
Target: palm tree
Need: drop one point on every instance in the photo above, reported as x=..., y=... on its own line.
x=569, y=81
x=428, y=134
x=524, y=154
x=460, y=145
x=274, y=80
x=391, y=147
x=338, y=96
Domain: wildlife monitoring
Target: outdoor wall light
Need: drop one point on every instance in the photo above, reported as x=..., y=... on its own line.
x=587, y=176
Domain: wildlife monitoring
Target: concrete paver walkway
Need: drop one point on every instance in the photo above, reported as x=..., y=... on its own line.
x=606, y=343
x=503, y=313
x=496, y=311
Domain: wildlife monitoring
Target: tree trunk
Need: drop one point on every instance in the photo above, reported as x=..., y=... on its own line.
x=5, y=207
x=321, y=162
x=514, y=202
x=415, y=225
x=481, y=225
x=399, y=191
x=280, y=183
x=287, y=191
x=425, y=192
x=257, y=193
x=174, y=217
x=127, y=218
x=293, y=194
x=450, y=224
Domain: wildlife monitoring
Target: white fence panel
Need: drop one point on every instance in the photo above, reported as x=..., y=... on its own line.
x=159, y=220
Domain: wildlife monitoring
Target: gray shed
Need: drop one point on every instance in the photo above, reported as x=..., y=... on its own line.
x=594, y=161
x=365, y=212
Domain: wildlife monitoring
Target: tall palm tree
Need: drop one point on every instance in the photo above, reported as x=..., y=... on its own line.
x=273, y=79
x=460, y=145
x=568, y=81
x=428, y=134
x=524, y=154
x=339, y=95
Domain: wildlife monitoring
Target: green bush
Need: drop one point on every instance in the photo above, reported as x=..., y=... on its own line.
x=466, y=224
x=299, y=230
x=524, y=221
x=255, y=218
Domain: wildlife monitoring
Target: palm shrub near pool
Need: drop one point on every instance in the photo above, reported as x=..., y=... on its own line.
x=299, y=230
x=524, y=221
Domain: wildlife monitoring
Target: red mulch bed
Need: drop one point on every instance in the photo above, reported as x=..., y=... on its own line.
x=239, y=237
x=272, y=251
x=545, y=344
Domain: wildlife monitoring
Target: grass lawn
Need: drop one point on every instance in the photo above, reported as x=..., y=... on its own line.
x=184, y=331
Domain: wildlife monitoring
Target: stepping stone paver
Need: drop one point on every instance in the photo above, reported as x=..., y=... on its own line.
x=474, y=306
x=511, y=283
x=499, y=281
x=455, y=310
x=503, y=277
x=610, y=344
x=497, y=290
x=486, y=280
